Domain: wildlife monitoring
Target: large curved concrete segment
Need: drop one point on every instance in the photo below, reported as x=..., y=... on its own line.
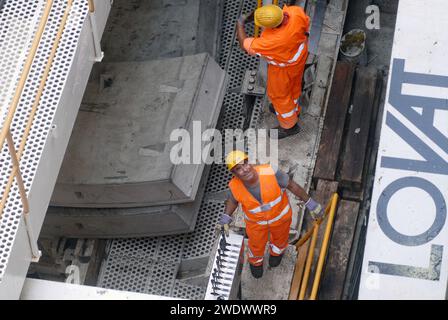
x=124, y=222
x=119, y=151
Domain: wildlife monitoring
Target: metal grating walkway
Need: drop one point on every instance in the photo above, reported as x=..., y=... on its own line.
x=145, y=265
x=130, y=264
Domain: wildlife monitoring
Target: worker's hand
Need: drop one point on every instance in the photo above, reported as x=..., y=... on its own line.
x=316, y=210
x=248, y=17
x=242, y=19
x=223, y=224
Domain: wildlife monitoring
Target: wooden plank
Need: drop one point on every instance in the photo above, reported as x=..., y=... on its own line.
x=332, y=284
x=359, y=127
x=298, y=271
x=355, y=261
x=330, y=142
x=352, y=195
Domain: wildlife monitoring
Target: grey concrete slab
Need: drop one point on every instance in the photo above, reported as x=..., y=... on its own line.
x=119, y=151
x=275, y=283
x=124, y=222
x=120, y=222
x=141, y=30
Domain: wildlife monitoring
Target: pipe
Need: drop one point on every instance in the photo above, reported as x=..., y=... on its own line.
x=16, y=169
x=324, y=248
x=309, y=261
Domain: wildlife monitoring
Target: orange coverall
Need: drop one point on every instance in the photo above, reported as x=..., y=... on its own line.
x=273, y=216
x=285, y=48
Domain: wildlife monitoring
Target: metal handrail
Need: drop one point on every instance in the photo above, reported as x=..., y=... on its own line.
x=259, y=5
x=91, y=6
x=38, y=96
x=324, y=248
x=308, y=234
x=5, y=133
x=309, y=261
x=313, y=232
x=16, y=155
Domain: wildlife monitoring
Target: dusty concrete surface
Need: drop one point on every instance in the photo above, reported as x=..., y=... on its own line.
x=295, y=158
x=139, y=30
x=119, y=154
x=275, y=283
x=297, y=154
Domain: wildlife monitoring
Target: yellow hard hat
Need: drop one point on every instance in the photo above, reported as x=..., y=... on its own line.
x=234, y=157
x=269, y=16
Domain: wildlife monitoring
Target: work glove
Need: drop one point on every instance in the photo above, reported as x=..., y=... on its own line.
x=315, y=209
x=248, y=17
x=223, y=223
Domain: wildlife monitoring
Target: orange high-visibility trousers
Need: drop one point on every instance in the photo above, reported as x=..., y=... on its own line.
x=258, y=237
x=284, y=88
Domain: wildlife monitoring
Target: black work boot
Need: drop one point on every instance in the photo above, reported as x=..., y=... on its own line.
x=283, y=133
x=274, y=261
x=257, y=271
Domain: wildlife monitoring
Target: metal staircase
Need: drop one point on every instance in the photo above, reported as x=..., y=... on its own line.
x=47, y=49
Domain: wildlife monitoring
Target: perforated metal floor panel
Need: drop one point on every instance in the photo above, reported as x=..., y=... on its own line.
x=136, y=277
x=185, y=291
x=236, y=63
x=145, y=265
x=18, y=23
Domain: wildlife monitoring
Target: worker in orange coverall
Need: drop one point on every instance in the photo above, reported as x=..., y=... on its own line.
x=261, y=191
x=283, y=43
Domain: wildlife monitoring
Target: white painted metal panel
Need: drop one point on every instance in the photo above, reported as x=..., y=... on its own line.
x=35, y=289
x=225, y=276
x=406, y=248
x=51, y=128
